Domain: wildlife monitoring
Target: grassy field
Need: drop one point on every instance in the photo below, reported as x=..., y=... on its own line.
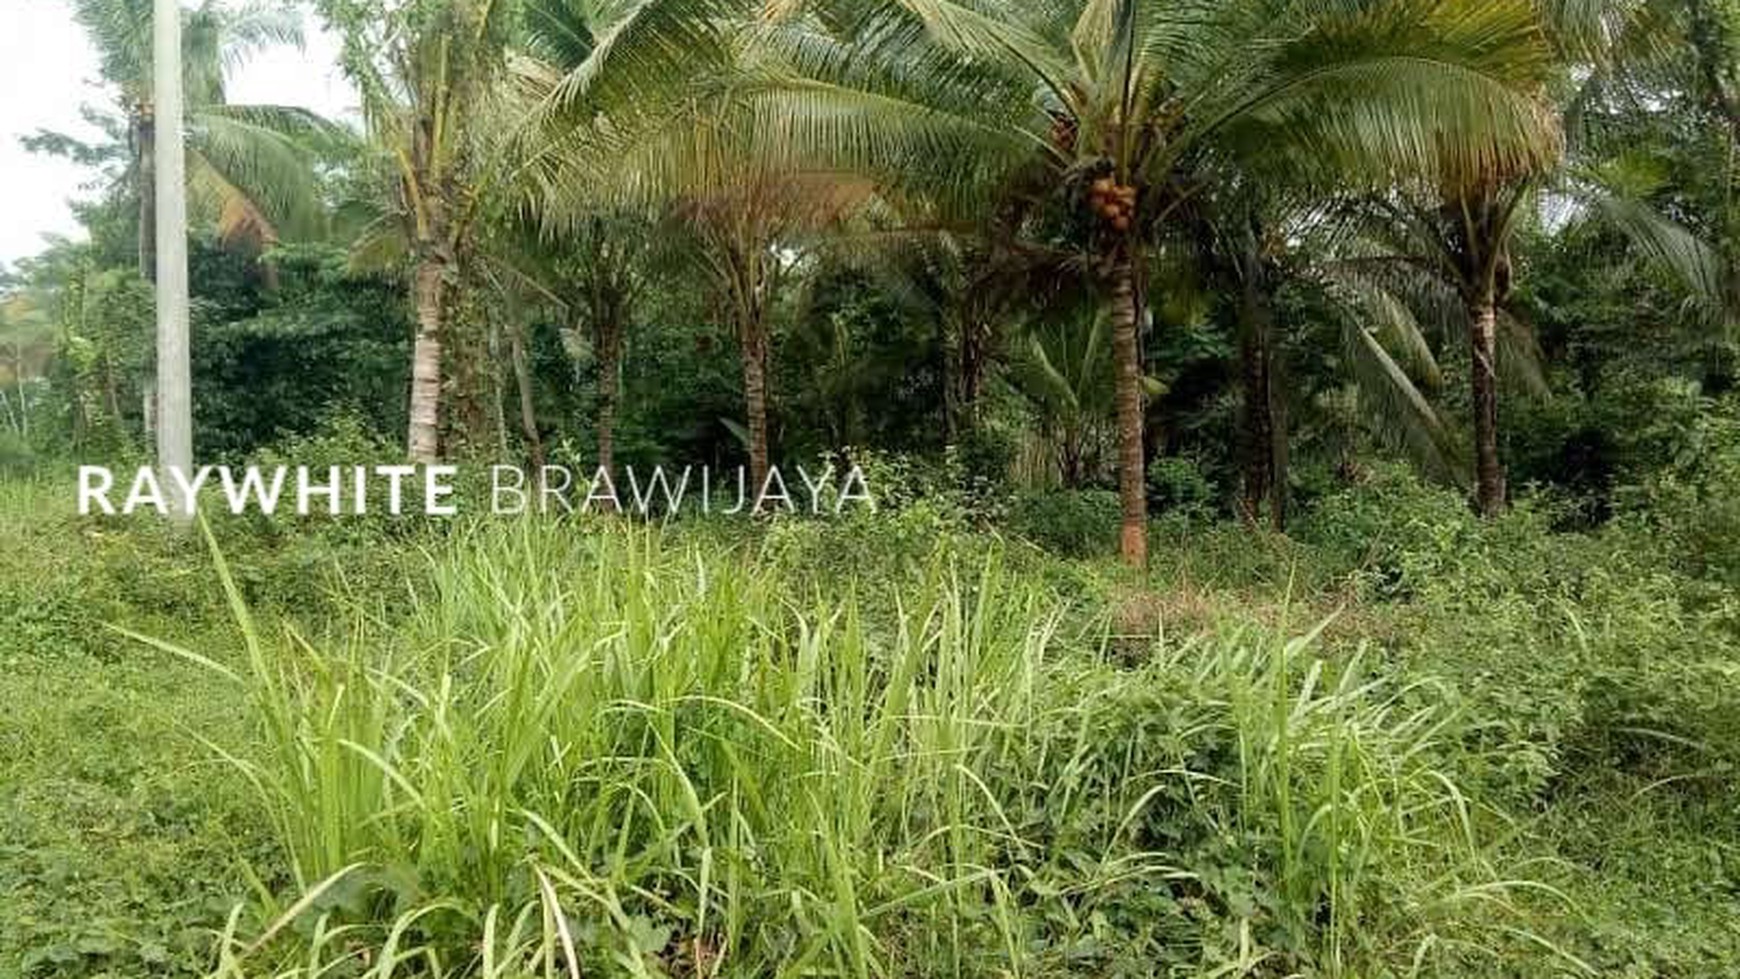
x=888, y=747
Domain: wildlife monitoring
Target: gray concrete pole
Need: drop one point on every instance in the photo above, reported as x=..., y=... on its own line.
x=174, y=369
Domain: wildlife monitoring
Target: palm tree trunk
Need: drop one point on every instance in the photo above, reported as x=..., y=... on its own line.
x=950, y=351
x=609, y=379
x=1483, y=335
x=1126, y=354
x=423, y=440
x=965, y=357
x=145, y=170
x=973, y=358
x=23, y=399
x=1280, y=494
x=754, y=341
x=528, y=406
x=1257, y=411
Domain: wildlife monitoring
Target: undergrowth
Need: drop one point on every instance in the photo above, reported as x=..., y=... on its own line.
x=889, y=746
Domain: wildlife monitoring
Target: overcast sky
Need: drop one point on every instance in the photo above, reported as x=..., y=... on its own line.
x=47, y=70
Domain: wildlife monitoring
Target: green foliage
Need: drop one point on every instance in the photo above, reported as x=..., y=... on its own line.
x=1401, y=740
x=1695, y=499
x=955, y=757
x=1080, y=523
x=1597, y=648
x=16, y=455
x=121, y=840
x=1178, y=484
x=668, y=762
x=322, y=340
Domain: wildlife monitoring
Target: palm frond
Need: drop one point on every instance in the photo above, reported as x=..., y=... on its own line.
x=260, y=153
x=652, y=50
x=1395, y=409
x=1697, y=265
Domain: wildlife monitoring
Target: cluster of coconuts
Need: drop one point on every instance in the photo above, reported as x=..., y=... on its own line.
x=1063, y=132
x=1114, y=203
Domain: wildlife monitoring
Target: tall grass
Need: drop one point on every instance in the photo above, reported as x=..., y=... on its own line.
x=610, y=753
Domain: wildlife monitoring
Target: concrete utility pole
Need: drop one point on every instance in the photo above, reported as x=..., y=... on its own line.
x=174, y=368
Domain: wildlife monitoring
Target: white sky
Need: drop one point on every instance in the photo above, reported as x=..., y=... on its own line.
x=47, y=70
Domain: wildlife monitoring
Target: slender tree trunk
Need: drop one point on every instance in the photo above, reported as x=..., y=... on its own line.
x=966, y=354
x=974, y=353
x=1488, y=474
x=754, y=341
x=756, y=400
x=749, y=285
x=145, y=171
x=523, y=380
x=148, y=406
x=1073, y=451
x=1281, y=493
x=1257, y=417
x=609, y=380
x=1127, y=358
x=145, y=164
x=23, y=399
x=497, y=387
x=423, y=440
x=951, y=373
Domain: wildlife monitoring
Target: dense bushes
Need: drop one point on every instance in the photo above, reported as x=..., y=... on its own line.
x=1081, y=523
x=1560, y=642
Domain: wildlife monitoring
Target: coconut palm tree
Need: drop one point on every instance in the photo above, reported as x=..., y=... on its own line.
x=584, y=252
x=1126, y=98
x=968, y=271
x=1449, y=244
x=426, y=71
x=748, y=232
x=455, y=130
x=249, y=167
x=632, y=128
x=1240, y=245
x=592, y=273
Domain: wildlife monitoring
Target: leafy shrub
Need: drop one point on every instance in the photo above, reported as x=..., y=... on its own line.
x=1078, y=523
x=342, y=440
x=898, y=481
x=1695, y=501
x=1179, y=484
x=16, y=455
x=1556, y=642
x=985, y=456
x=1392, y=530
